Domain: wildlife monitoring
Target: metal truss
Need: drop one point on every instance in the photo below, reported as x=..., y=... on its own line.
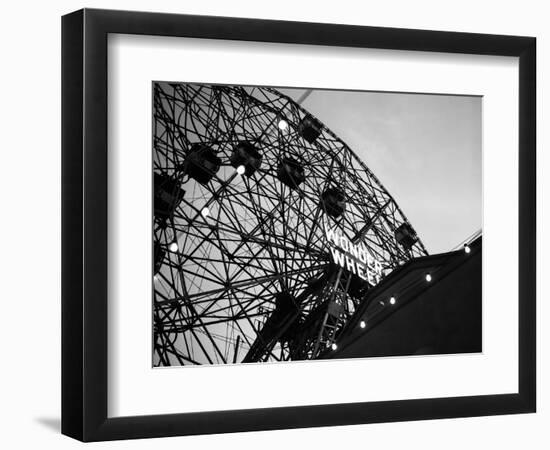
x=253, y=280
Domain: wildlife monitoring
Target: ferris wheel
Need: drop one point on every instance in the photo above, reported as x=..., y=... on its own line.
x=248, y=186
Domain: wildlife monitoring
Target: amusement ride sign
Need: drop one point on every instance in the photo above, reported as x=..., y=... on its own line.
x=354, y=258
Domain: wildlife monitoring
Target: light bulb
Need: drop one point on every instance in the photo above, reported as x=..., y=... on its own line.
x=173, y=247
x=241, y=170
x=362, y=324
x=334, y=346
x=205, y=212
x=428, y=277
x=392, y=300
x=467, y=249
x=283, y=124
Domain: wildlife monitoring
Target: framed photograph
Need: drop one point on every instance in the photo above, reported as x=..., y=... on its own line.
x=273, y=225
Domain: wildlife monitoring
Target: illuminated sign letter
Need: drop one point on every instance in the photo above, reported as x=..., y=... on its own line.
x=344, y=243
x=337, y=257
x=353, y=250
x=350, y=264
x=361, y=271
x=362, y=254
x=331, y=236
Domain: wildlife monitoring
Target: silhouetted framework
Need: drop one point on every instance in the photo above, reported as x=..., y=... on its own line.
x=245, y=183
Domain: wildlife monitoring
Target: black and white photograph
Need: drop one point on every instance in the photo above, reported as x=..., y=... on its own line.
x=275, y=225
x=299, y=224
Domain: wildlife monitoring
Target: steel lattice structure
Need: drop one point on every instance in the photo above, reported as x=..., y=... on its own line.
x=253, y=279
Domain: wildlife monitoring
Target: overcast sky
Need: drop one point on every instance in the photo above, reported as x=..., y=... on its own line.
x=425, y=150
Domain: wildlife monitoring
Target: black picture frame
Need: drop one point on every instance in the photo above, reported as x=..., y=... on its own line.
x=84, y=224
